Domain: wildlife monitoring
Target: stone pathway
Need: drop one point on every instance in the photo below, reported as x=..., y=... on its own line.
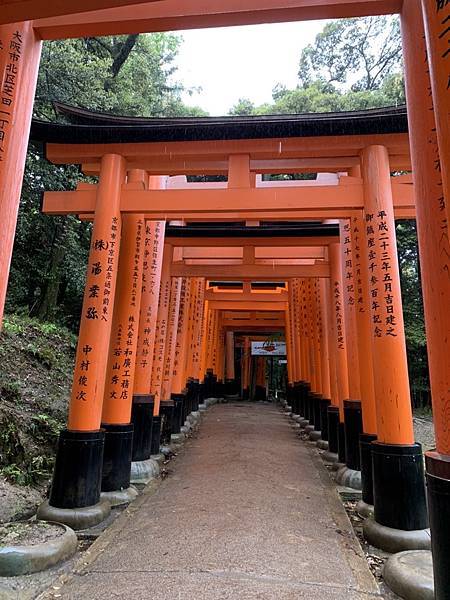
x=248, y=512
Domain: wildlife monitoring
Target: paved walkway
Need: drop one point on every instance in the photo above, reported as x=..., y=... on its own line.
x=248, y=512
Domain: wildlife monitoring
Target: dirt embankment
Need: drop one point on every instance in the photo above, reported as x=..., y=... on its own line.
x=36, y=363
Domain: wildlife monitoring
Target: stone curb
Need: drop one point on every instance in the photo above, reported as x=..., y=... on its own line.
x=22, y=560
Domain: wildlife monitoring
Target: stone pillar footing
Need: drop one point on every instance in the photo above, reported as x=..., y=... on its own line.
x=144, y=471
x=76, y=518
x=410, y=575
x=120, y=497
x=395, y=540
x=314, y=436
x=322, y=445
x=364, y=510
x=349, y=478
x=330, y=457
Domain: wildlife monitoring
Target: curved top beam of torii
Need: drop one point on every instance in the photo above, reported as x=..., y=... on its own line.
x=81, y=18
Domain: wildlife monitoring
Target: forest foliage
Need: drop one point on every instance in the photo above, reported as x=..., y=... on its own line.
x=352, y=64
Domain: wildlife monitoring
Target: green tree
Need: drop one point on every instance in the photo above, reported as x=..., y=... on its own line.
x=365, y=50
x=132, y=75
x=243, y=106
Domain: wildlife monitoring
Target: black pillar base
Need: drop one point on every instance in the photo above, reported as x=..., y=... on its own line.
x=316, y=404
x=141, y=418
x=178, y=412
x=304, y=402
x=324, y=405
x=399, y=486
x=166, y=409
x=78, y=469
x=117, y=457
x=438, y=488
x=353, y=429
x=155, y=435
x=245, y=394
x=230, y=387
x=341, y=443
x=333, y=429
x=365, y=455
x=260, y=393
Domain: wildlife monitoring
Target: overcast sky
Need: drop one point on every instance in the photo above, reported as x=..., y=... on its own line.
x=241, y=62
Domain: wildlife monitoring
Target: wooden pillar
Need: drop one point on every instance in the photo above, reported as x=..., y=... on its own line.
x=198, y=328
x=293, y=332
x=161, y=329
x=289, y=351
x=348, y=300
x=352, y=404
x=437, y=31
x=339, y=342
x=179, y=374
x=246, y=368
x=20, y=51
x=151, y=280
x=363, y=325
x=230, y=375
x=399, y=493
x=394, y=416
x=171, y=338
x=324, y=342
x=297, y=331
x=124, y=332
x=304, y=333
x=78, y=468
x=95, y=327
x=432, y=199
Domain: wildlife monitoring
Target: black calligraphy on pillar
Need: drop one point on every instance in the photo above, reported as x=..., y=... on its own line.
x=13, y=48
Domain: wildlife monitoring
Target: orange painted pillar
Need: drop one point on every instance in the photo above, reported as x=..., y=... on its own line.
x=20, y=51
x=78, y=468
x=348, y=296
x=304, y=333
x=432, y=199
x=207, y=354
x=396, y=479
x=179, y=375
x=437, y=18
x=191, y=328
x=125, y=323
x=328, y=321
x=86, y=401
x=198, y=329
x=363, y=326
x=171, y=339
x=289, y=353
x=316, y=333
x=297, y=330
x=324, y=337
x=339, y=345
x=117, y=402
x=246, y=369
x=161, y=329
x=230, y=375
x=293, y=332
x=353, y=417
x=205, y=339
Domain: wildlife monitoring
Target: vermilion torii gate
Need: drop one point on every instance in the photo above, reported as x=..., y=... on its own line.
x=364, y=333
x=341, y=313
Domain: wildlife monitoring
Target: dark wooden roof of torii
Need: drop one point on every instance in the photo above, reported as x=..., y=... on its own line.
x=89, y=127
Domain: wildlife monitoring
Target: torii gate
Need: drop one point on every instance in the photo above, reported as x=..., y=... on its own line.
x=429, y=130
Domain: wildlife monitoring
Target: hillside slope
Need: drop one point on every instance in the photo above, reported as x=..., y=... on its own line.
x=36, y=363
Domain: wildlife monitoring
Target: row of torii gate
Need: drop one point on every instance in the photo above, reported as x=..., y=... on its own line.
x=154, y=326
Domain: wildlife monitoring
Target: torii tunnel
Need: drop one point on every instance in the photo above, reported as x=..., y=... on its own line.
x=184, y=277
